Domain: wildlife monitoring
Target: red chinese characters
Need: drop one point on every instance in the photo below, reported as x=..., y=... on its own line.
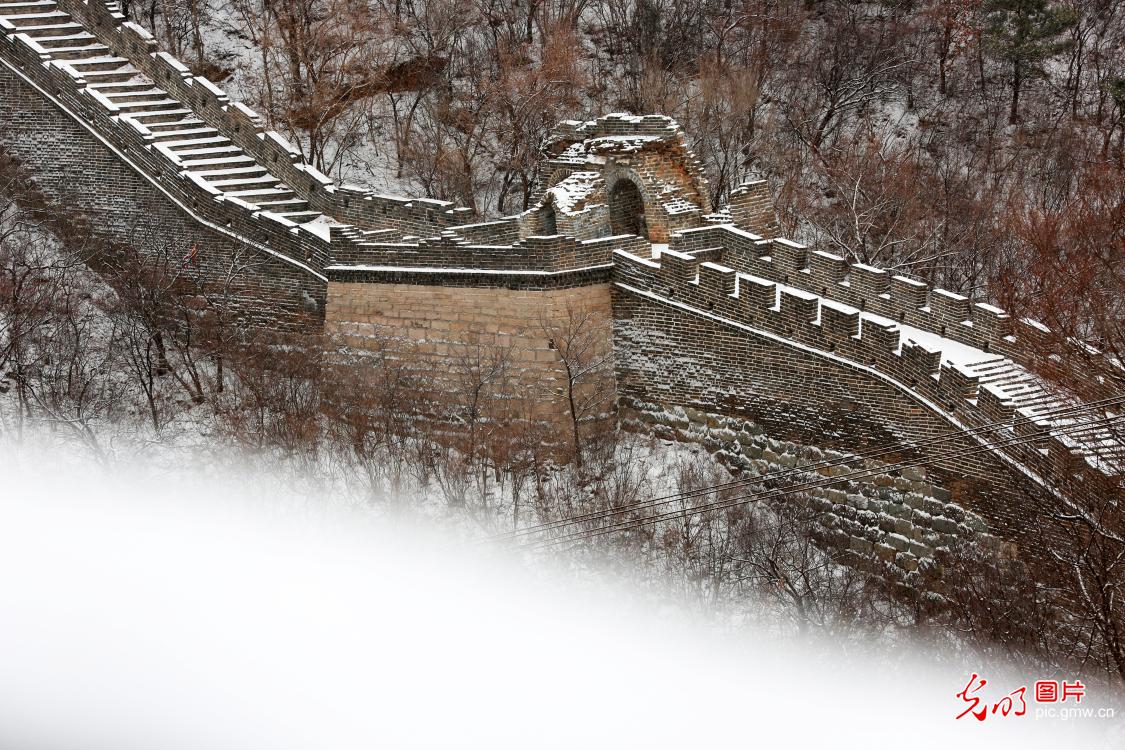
x=1046, y=691
x=1008, y=704
x=973, y=701
x=1015, y=702
x=1075, y=690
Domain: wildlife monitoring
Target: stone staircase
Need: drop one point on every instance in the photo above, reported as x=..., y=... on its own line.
x=201, y=151
x=1029, y=396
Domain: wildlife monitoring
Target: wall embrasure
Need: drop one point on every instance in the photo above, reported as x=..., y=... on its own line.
x=82, y=174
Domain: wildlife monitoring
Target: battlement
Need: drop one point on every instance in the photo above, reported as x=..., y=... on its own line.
x=974, y=384
x=619, y=199
x=873, y=290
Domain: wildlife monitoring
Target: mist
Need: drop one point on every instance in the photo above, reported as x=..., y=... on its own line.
x=167, y=610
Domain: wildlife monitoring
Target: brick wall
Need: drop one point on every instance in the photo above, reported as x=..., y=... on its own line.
x=79, y=172
x=670, y=356
x=751, y=207
x=439, y=331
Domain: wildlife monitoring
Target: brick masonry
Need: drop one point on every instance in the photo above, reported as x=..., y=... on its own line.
x=721, y=332
x=71, y=166
x=444, y=333
x=897, y=515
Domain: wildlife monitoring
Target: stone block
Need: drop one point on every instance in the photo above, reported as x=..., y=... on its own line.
x=885, y=552
x=906, y=561
x=920, y=550
x=860, y=545
x=943, y=525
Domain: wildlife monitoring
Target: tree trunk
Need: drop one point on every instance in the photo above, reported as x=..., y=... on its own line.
x=1017, y=80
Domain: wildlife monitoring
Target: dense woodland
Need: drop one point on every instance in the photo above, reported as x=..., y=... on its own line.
x=978, y=145
x=957, y=98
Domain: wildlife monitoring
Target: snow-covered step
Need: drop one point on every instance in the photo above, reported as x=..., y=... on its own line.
x=1004, y=376
x=37, y=19
x=136, y=95
x=1009, y=379
x=109, y=76
x=1015, y=385
x=262, y=193
x=1036, y=405
x=21, y=8
x=229, y=184
x=163, y=104
x=231, y=161
x=218, y=173
x=51, y=30
x=64, y=41
x=991, y=372
x=1040, y=399
x=283, y=206
x=107, y=63
x=195, y=154
x=1045, y=407
x=135, y=83
x=300, y=217
x=160, y=116
x=1011, y=390
x=80, y=52
x=207, y=139
x=177, y=125
x=989, y=364
x=171, y=134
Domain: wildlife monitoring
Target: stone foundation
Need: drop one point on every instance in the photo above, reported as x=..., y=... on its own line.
x=896, y=516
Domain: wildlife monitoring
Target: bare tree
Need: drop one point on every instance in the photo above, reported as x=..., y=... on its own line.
x=581, y=340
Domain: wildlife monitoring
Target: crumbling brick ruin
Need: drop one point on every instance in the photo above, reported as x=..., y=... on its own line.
x=764, y=350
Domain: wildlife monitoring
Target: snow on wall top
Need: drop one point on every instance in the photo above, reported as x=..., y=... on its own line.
x=901, y=338
x=131, y=79
x=571, y=193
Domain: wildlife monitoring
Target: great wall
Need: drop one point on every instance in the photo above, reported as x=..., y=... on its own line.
x=720, y=332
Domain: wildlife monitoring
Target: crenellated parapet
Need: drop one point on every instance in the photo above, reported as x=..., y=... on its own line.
x=896, y=297
x=883, y=326
x=212, y=155
x=532, y=261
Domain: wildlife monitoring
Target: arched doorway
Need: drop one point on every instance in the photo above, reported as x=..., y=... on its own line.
x=627, y=209
x=548, y=225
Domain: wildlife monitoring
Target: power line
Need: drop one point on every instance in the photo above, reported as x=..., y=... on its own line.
x=766, y=494
x=780, y=474
x=1085, y=427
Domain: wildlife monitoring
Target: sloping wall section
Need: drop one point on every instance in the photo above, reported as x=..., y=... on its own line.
x=719, y=330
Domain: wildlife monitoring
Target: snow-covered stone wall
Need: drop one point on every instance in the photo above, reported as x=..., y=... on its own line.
x=692, y=334
x=899, y=516
x=500, y=356
x=86, y=176
x=711, y=310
